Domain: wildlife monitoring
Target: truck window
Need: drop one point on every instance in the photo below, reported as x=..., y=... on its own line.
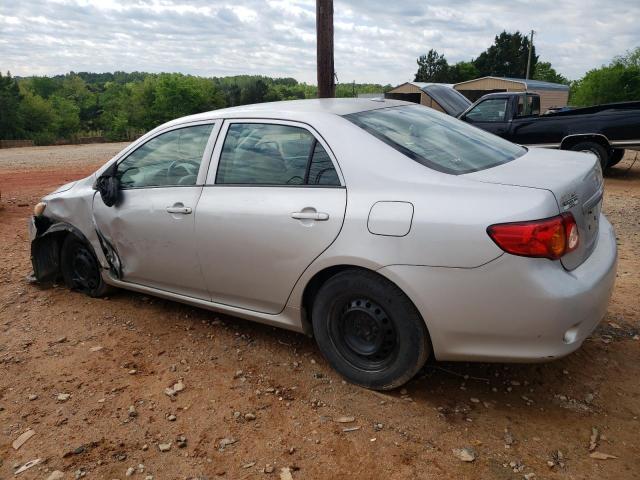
x=490, y=110
x=528, y=105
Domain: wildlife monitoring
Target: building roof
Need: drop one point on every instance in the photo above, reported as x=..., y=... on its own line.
x=422, y=85
x=529, y=84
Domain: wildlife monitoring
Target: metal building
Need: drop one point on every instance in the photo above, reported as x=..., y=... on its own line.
x=440, y=96
x=551, y=94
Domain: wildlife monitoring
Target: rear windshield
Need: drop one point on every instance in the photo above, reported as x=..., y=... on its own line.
x=436, y=140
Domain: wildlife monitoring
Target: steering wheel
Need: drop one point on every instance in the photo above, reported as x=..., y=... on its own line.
x=188, y=166
x=296, y=177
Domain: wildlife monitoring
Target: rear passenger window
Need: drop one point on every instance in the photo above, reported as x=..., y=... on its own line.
x=270, y=154
x=321, y=171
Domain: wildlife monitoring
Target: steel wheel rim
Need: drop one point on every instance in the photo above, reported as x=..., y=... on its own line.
x=84, y=270
x=364, y=335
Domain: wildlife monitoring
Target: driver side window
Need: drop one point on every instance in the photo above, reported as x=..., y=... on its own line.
x=170, y=159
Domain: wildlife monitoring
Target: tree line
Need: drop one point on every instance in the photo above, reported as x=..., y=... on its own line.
x=508, y=56
x=123, y=105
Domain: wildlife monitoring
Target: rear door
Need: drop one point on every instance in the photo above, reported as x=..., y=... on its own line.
x=274, y=201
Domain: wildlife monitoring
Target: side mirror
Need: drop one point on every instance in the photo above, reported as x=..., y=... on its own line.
x=109, y=188
x=108, y=185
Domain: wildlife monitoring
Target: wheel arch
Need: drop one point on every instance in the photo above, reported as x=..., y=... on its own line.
x=571, y=140
x=314, y=284
x=47, y=245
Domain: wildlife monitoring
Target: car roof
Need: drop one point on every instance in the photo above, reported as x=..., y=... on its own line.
x=297, y=108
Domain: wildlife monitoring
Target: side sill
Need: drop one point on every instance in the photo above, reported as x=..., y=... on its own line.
x=288, y=319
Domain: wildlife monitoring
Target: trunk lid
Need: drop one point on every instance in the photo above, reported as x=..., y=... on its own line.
x=574, y=178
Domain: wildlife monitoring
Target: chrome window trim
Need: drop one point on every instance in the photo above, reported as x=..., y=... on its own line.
x=147, y=137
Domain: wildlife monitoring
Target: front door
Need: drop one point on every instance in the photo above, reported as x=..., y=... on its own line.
x=275, y=202
x=151, y=227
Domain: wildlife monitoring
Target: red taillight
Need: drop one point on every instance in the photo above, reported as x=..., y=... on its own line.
x=548, y=238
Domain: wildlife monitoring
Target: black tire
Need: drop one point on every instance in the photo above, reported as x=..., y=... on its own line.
x=80, y=267
x=595, y=148
x=369, y=331
x=615, y=156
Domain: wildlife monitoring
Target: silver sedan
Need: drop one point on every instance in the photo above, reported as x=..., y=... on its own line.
x=388, y=231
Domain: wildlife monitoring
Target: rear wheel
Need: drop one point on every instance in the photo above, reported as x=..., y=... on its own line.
x=616, y=155
x=80, y=268
x=369, y=330
x=595, y=148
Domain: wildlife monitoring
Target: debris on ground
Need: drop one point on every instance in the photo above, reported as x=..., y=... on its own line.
x=27, y=466
x=465, y=454
x=22, y=439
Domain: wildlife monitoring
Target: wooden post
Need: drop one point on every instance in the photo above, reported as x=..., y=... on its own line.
x=529, y=57
x=324, y=58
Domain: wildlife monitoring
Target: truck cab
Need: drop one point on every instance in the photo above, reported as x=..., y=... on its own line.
x=495, y=111
x=603, y=130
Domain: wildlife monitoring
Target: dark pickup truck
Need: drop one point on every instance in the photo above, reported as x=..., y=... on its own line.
x=605, y=130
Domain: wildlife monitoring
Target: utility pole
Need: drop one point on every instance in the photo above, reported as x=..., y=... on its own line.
x=529, y=59
x=324, y=57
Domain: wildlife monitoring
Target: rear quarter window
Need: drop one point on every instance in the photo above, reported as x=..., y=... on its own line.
x=436, y=140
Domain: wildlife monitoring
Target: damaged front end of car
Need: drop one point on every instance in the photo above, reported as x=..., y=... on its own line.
x=67, y=211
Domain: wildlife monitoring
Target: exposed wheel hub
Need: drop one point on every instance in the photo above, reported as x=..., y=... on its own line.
x=85, y=270
x=365, y=334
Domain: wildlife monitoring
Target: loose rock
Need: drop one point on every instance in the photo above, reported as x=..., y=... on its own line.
x=285, y=474
x=593, y=440
x=601, y=456
x=164, y=447
x=345, y=419
x=465, y=454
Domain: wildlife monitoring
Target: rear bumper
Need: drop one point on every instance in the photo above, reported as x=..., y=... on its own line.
x=513, y=308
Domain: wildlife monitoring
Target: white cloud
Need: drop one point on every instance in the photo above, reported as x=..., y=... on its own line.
x=375, y=40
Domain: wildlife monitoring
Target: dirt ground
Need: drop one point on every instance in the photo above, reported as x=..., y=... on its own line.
x=88, y=376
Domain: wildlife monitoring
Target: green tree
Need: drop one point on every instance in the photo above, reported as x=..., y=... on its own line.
x=461, y=72
x=432, y=67
x=545, y=72
x=254, y=92
x=629, y=59
x=67, y=117
x=607, y=84
x=43, y=86
x=37, y=118
x=507, y=57
x=9, y=101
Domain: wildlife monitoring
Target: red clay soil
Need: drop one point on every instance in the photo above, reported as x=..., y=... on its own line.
x=88, y=376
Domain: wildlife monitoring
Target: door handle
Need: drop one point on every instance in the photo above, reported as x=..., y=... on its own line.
x=319, y=216
x=179, y=208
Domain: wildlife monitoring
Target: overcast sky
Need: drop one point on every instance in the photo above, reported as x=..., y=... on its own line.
x=375, y=40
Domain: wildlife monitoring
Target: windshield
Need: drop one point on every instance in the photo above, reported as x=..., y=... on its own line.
x=436, y=140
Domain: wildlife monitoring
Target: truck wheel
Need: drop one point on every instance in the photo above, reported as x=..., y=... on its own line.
x=616, y=155
x=80, y=268
x=595, y=148
x=369, y=331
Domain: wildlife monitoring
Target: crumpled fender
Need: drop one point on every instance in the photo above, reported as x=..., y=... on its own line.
x=46, y=247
